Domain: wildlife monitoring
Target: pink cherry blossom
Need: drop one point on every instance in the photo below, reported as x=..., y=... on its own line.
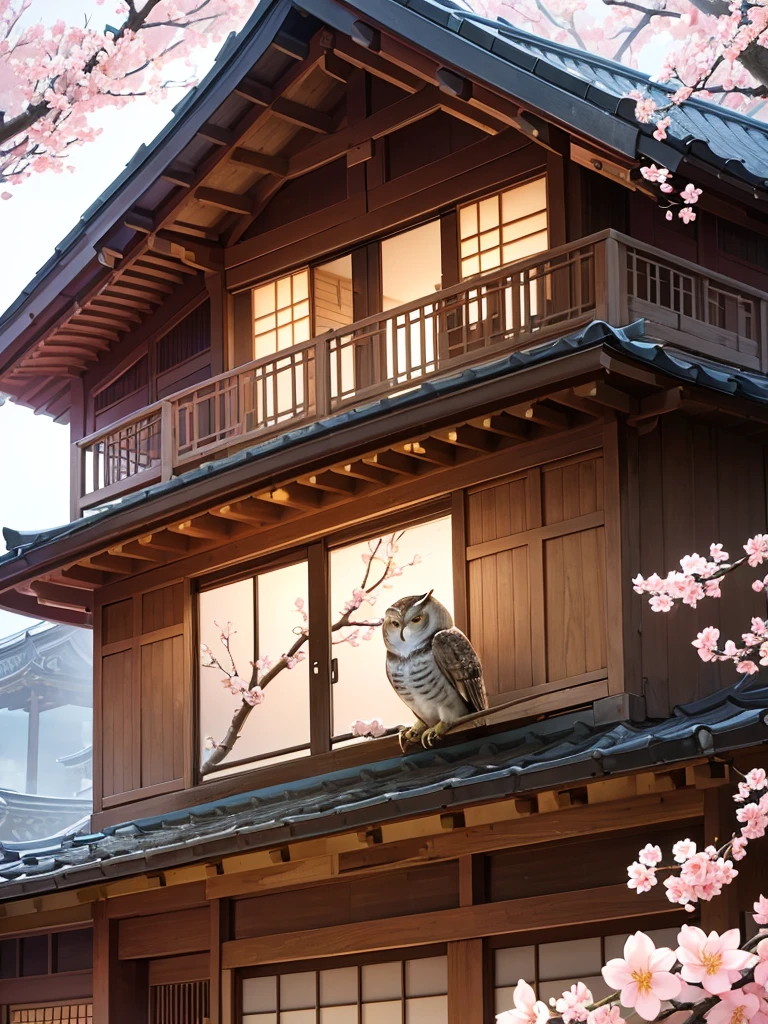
x=527, y=1009
x=650, y=855
x=253, y=696
x=717, y=554
x=756, y=549
x=761, y=1017
x=686, y=214
x=606, y=1015
x=661, y=128
x=654, y=173
x=739, y=848
x=690, y=194
x=760, y=908
x=761, y=968
x=754, y=819
x=363, y=728
x=685, y=848
x=643, y=975
x=572, y=1005
x=641, y=877
x=756, y=778
x=712, y=961
x=735, y=1007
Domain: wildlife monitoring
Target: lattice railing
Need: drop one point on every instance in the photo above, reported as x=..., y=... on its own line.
x=607, y=276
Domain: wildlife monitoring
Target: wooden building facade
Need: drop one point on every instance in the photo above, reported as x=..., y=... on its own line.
x=387, y=306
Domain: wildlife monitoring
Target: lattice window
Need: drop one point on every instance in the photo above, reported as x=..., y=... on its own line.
x=281, y=313
x=396, y=992
x=182, y=1003
x=552, y=967
x=503, y=228
x=134, y=378
x=188, y=338
x=60, y=1013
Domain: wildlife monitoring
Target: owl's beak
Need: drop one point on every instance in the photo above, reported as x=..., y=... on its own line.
x=402, y=632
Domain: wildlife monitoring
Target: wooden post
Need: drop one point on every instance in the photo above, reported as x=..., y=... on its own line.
x=610, y=282
x=216, y=288
x=167, y=441
x=466, y=988
x=322, y=377
x=76, y=454
x=219, y=1011
x=319, y=649
x=33, y=742
x=120, y=987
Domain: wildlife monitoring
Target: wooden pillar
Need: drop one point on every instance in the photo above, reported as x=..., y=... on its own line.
x=33, y=742
x=466, y=988
x=320, y=649
x=221, y=356
x=220, y=1010
x=120, y=987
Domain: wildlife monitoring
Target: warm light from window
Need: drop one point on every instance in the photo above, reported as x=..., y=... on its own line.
x=281, y=313
x=503, y=228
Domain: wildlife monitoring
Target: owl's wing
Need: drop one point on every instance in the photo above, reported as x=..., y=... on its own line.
x=458, y=661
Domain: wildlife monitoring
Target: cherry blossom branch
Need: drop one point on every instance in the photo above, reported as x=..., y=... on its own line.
x=711, y=977
x=701, y=578
x=252, y=692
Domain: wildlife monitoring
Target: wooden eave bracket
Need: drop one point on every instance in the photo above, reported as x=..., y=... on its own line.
x=189, y=251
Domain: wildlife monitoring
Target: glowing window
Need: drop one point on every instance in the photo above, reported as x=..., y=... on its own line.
x=396, y=992
x=264, y=616
x=281, y=313
x=418, y=559
x=503, y=228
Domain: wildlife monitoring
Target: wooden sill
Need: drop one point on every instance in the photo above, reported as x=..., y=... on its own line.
x=548, y=699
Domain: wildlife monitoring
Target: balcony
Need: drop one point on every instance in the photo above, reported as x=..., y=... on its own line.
x=606, y=276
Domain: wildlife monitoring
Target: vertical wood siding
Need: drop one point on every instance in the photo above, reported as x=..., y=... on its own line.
x=144, y=692
x=698, y=484
x=536, y=580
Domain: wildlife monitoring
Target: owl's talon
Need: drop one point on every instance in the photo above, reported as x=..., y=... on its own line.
x=411, y=734
x=430, y=736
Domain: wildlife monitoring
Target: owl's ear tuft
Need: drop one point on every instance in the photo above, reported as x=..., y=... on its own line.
x=422, y=600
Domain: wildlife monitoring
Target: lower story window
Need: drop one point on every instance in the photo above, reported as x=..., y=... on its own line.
x=552, y=967
x=408, y=991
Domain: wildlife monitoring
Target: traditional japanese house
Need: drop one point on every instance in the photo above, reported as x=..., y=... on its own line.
x=388, y=297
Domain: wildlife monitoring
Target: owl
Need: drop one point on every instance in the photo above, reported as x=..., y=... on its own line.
x=432, y=667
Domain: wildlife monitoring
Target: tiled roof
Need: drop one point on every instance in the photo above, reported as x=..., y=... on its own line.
x=678, y=365
x=575, y=87
x=559, y=751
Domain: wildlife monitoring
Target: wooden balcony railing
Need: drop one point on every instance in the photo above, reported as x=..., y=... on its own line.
x=606, y=276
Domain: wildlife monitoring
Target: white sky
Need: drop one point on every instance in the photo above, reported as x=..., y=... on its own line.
x=34, y=452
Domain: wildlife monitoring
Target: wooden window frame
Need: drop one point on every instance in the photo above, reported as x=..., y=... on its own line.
x=317, y=555
x=367, y=268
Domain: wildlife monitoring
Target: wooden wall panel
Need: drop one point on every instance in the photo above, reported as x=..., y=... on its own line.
x=117, y=621
x=537, y=577
x=120, y=736
x=185, y=931
x=576, y=624
x=500, y=613
x=332, y=297
x=144, y=694
x=163, y=607
x=162, y=710
x=416, y=890
x=698, y=484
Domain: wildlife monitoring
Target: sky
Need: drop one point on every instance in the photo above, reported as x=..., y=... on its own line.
x=34, y=451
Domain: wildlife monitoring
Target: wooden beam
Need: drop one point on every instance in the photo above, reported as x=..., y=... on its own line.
x=504, y=424
x=165, y=541
x=657, y=405
x=224, y=200
x=471, y=437
x=111, y=563
x=535, y=412
x=255, y=92
x=294, y=495
x=205, y=527
x=261, y=161
x=336, y=68
x=377, y=65
x=404, y=465
x=255, y=513
x=362, y=471
x=216, y=134
x=398, y=115
x=334, y=482
x=304, y=117
x=54, y=595
x=88, y=578
x=611, y=397
x=184, y=179
x=290, y=46
x=507, y=917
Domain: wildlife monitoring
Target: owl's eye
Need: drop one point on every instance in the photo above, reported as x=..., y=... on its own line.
x=417, y=618
x=395, y=623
